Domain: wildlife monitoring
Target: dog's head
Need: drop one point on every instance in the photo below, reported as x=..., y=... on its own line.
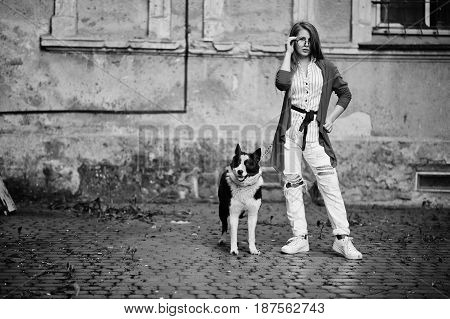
x=245, y=165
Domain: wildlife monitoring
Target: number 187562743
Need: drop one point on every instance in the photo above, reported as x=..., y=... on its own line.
x=297, y=307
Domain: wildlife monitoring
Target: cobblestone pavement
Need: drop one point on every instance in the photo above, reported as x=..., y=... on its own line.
x=60, y=254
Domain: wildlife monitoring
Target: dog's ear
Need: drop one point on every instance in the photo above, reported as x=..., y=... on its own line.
x=238, y=150
x=257, y=154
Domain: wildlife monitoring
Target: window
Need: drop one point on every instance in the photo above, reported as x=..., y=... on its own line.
x=417, y=17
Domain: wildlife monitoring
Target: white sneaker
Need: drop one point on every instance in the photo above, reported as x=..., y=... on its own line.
x=296, y=244
x=345, y=247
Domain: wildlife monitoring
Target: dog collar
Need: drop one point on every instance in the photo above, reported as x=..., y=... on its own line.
x=248, y=181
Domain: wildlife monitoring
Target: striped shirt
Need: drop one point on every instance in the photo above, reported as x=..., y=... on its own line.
x=306, y=93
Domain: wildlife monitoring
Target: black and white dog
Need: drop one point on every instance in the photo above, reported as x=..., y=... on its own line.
x=239, y=192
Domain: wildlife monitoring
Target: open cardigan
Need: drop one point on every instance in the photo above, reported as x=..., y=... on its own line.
x=332, y=81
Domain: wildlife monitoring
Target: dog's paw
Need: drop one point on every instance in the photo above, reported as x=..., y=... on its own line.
x=234, y=251
x=254, y=251
x=222, y=239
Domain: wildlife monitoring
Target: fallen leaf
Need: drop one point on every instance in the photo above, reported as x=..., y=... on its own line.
x=180, y=222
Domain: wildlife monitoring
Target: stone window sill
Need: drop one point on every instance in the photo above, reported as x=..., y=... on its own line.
x=407, y=43
x=76, y=43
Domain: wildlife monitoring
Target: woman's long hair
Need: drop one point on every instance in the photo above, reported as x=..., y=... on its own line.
x=314, y=42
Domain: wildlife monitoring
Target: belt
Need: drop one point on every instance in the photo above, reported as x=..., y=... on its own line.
x=304, y=126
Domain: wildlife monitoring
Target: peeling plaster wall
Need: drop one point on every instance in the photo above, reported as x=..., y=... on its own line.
x=255, y=22
x=392, y=126
x=332, y=20
x=383, y=169
x=113, y=17
x=403, y=98
x=94, y=82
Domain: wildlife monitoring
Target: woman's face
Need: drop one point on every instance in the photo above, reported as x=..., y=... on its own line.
x=303, y=43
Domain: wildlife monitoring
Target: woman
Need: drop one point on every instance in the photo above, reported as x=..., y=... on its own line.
x=303, y=128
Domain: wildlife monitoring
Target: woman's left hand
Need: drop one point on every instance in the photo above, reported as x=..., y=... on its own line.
x=328, y=126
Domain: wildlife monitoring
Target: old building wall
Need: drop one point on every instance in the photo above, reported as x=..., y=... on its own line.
x=76, y=131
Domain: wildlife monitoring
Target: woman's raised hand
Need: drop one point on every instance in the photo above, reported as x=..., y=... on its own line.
x=290, y=44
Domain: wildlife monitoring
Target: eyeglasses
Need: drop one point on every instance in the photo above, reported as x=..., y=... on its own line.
x=303, y=41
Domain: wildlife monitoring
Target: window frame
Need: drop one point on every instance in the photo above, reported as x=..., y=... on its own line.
x=379, y=27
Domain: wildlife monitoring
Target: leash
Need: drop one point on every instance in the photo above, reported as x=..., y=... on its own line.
x=267, y=152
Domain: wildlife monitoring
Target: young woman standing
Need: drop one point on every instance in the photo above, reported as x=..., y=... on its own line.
x=303, y=128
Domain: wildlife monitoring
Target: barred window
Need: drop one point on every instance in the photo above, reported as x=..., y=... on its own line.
x=411, y=17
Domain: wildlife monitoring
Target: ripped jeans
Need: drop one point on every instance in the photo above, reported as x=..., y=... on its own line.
x=327, y=182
